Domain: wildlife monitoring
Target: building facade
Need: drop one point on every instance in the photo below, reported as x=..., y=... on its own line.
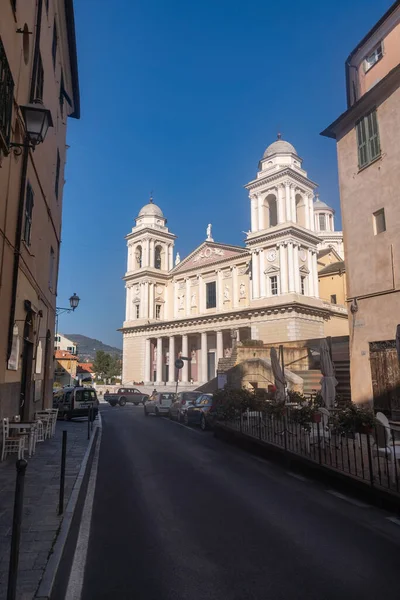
x=38, y=72
x=368, y=147
x=63, y=343
x=196, y=307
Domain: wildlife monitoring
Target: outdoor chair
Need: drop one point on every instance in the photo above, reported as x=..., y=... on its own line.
x=39, y=430
x=383, y=447
x=46, y=419
x=12, y=444
x=385, y=422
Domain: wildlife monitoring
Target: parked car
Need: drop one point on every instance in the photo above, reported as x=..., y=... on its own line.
x=159, y=403
x=182, y=399
x=199, y=412
x=75, y=402
x=124, y=395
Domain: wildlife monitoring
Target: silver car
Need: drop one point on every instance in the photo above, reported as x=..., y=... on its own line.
x=182, y=401
x=159, y=404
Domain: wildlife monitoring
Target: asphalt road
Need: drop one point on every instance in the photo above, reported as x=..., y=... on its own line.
x=178, y=514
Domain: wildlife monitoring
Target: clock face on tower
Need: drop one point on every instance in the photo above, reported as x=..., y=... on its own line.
x=271, y=255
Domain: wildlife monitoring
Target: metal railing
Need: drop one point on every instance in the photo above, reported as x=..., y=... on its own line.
x=368, y=456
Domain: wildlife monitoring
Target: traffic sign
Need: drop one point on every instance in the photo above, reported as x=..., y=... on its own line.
x=179, y=363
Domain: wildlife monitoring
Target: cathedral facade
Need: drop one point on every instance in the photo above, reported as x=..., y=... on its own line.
x=266, y=290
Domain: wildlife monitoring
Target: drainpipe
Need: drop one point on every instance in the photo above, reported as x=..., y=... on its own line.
x=21, y=204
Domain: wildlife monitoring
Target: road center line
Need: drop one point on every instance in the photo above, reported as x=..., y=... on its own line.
x=394, y=520
x=182, y=425
x=296, y=476
x=348, y=499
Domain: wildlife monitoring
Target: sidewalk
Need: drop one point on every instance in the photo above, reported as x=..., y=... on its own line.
x=40, y=522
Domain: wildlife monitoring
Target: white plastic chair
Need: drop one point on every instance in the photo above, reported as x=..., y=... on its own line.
x=46, y=419
x=382, y=418
x=12, y=444
x=39, y=430
x=383, y=446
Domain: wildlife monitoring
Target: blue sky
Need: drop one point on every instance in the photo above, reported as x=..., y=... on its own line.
x=182, y=98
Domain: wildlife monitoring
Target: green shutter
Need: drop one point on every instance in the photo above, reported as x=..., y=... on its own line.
x=362, y=143
x=374, y=146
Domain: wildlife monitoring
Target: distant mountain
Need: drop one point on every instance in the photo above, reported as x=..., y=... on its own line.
x=87, y=347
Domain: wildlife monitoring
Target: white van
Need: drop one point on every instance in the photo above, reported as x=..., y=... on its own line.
x=159, y=404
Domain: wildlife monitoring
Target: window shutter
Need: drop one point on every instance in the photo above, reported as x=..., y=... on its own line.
x=362, y=144
x=373, y=136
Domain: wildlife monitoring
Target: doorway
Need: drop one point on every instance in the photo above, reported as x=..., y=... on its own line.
x=26, y=368
x=210, y=366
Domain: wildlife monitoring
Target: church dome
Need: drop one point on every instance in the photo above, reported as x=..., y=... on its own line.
x=151, y=210
x=319, y=205
x=280, y=147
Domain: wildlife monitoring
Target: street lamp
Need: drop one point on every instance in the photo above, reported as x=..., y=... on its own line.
x=73, y=302
x=37, y=119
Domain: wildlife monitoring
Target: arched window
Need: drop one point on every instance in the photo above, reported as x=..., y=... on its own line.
x=157, y=257
x=272, y=210
x=300, y=210
x=138, y=254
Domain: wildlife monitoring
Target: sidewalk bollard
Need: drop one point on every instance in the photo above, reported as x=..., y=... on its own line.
x=16, y=529
x=62, y=475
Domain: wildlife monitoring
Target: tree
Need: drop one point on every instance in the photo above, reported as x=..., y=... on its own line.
x=106, y=366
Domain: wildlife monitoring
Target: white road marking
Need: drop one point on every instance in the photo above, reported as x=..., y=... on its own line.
x=296, y=476
x=348, y=499
x=394, y=520
x=75, y=582
x=183, y=425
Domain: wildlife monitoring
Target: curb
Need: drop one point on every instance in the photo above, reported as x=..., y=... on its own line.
x=46, y=585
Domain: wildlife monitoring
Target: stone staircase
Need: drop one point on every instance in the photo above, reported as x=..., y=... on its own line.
x=224, y=364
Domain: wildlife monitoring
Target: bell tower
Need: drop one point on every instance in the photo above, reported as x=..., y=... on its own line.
x=150, y=258
x=282, y=240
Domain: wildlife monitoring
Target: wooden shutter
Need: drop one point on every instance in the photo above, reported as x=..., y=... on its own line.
x=362, y=143
x=373, y=136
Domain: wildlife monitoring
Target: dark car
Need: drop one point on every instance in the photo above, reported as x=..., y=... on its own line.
x=182, y=399
x=200, y=412
x=124, y=395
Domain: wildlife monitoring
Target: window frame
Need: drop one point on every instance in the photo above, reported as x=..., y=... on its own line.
x=274, y=290
x=57, y=178
x=368, y=139
x=333, y=298
x=368, y=66
x=376, y=215
x=28, y=211
x=54, y=44
x=137, y=310
x=303, y=282
x=158, y=310
x=39, y=83
x=211, y=294
x=6, y=96
x=323, y=215
x=52, y=258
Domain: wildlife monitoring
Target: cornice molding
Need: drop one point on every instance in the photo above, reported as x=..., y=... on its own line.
x=275, y=177
x=288, y=234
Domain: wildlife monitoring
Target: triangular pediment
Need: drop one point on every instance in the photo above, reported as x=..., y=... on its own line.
x=304, y=270
x=208, y=253
x=272, y=269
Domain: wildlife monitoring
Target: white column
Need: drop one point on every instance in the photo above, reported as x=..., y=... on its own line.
x=129, y=261
x=255, y=275
x=159, y=360
x=283, y=269
x=311, y=208
x=288, y=205
x=315, y=269
x=151, y=261
x=145, y=253
x=147, y=349
x=175, y=291
x=151, y=300
x=187, y=297
x=296, y=268
x=171, y=369
x=262, y=274
x=171, y=257
x=201, y=301
x=220, y=291
x=220, y=346
x=290, y=267
x=310, y=275
x=141, y=310
x=146, y=300
x=185, y=351
x=261, y=224
x=254, y=219
x=128, y=303
x=235, y=287
x=293, y=204
x=203, y=357
x=281, y=205
x=306, y=211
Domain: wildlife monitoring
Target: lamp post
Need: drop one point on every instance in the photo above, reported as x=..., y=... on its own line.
x=73, y=304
